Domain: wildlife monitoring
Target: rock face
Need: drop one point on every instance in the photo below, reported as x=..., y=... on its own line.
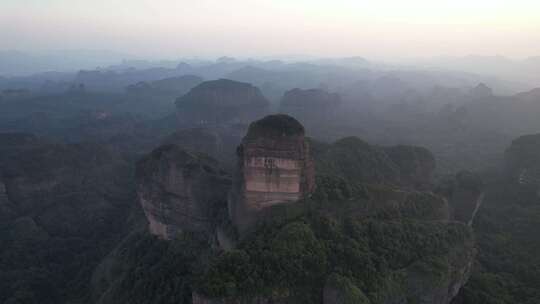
x=180, y=191
x=221, y=101
x=310, y=106
x=274, y=167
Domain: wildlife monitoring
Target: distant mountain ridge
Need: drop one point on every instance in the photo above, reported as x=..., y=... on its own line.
x=17, y=63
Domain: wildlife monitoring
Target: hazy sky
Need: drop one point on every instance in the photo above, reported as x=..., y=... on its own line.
x=375, y=29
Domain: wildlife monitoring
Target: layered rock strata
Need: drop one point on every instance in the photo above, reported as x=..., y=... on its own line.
x=274, y=167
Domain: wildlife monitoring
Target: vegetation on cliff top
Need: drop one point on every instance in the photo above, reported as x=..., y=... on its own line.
x=278, y=125
x=222, y=93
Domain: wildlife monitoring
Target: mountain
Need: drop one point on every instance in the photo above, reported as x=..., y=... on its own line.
x=397, y=188
x=274, y=167
x=173, y=86
x=180, y=191
x=221, y=101
x=294, y=235
x=519, y=71
x=312, y=106
x=16, y=63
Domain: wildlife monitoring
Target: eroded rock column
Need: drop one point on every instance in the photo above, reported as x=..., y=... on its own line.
x=180, y=191
x=274, y=167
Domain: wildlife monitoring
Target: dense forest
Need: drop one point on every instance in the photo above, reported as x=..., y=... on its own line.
x=126, y=185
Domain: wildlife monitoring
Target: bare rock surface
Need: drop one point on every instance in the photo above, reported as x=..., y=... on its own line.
x=274, y=167
x=180, y=191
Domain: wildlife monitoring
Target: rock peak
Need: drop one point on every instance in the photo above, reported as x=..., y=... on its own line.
x=221, y=101
x=180, y=191
x=274, y=167
x=275, y=126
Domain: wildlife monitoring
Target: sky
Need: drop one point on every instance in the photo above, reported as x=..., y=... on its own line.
x=381, y=29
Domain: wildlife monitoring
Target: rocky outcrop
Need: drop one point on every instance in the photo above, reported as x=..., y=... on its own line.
x=274, y=167
x=221, y=101
x=373, y=212
x=180, y=191
x=310, y=106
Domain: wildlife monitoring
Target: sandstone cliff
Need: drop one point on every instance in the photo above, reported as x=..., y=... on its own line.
x=180, y=191
x=274, y=167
